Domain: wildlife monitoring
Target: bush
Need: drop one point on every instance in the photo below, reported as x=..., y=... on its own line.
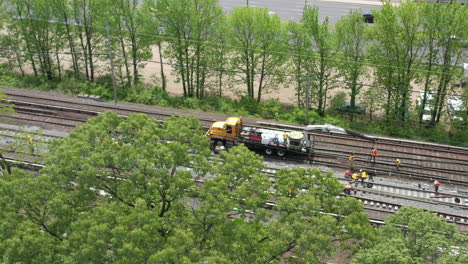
x=8, y=79
x=71, y=85
x=249, y=104
x=335, y=121
x=271, y=109
x=149, y=96
x=336, y=101
x=104, y=91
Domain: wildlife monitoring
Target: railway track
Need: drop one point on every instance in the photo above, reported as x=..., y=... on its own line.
x=377, y=209
x=419, y=160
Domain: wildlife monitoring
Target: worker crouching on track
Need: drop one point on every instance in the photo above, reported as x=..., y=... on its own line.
x=348, y=189
x=347, y=174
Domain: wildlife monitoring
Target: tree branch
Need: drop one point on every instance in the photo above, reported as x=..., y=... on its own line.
x=291, y=245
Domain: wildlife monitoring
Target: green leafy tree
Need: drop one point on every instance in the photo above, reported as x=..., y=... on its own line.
x=109, y=149
x=11, y=44
x=305, y=197
x=189, y=27
x=120, y=190
x=259, y=43
x=35, y=217
x=372, y=98
x=396, y=53
x=105, y=202
x=223, y=74
x=350, y=33
x=62, y=10
x=300, y=47
x=32, y=20
x=452, y=49
x=129, y=22
x=152, y=27
x=431, y=18
x=89, y=18
x=239, y=189
x=415, y=236
x=322, y=71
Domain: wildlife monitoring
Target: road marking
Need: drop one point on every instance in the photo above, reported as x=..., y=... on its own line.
x=361, y=2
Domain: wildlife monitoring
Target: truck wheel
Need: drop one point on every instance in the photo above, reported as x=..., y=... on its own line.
x=268, y=151
x=280, y=153
x=219, y=143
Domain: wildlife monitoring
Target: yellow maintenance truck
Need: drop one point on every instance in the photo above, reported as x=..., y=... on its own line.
x=233, y=132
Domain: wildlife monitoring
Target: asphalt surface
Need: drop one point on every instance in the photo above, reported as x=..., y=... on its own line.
x=291, y=10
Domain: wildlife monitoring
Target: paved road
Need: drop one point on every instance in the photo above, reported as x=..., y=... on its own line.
x=291, y=10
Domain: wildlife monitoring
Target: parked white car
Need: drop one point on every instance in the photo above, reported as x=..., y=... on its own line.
x=455, y=107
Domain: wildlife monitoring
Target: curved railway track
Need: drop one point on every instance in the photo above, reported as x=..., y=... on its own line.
x=419, y=160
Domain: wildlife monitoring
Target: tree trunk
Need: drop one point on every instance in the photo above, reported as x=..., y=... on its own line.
x=260, y=82
x=163, y=77
x=136, y=77
x=124, y=54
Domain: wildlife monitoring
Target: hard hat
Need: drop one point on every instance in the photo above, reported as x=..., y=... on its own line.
x=360, y=170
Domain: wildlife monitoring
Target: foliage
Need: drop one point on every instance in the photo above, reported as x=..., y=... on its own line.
x=300, y=46
x=189, y=27
x=350, y=33
x=122, y=190
x=415, y=236
x=322, y=72
x=65, y=43
x=337, y=100
x=259, y=41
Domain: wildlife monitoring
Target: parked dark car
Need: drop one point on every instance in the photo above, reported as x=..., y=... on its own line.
x=368, y=18
x=346, y=108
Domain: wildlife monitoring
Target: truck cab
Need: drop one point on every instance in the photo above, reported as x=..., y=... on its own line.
x=228, y=130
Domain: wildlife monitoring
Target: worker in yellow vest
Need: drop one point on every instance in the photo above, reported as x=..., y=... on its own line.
x=31, y=144
x=363, y=176
x=355, y=176
x=286, y=139
x=397, y=163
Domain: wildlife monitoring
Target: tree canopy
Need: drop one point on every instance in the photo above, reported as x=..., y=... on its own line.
x=133, y=190
x=416, y=236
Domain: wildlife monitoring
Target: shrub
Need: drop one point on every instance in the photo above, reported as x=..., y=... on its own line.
x=335, y=121
x=71, y=85
x=271, y=109
x=336, y=101
x=249, y=104
x=150, y=96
